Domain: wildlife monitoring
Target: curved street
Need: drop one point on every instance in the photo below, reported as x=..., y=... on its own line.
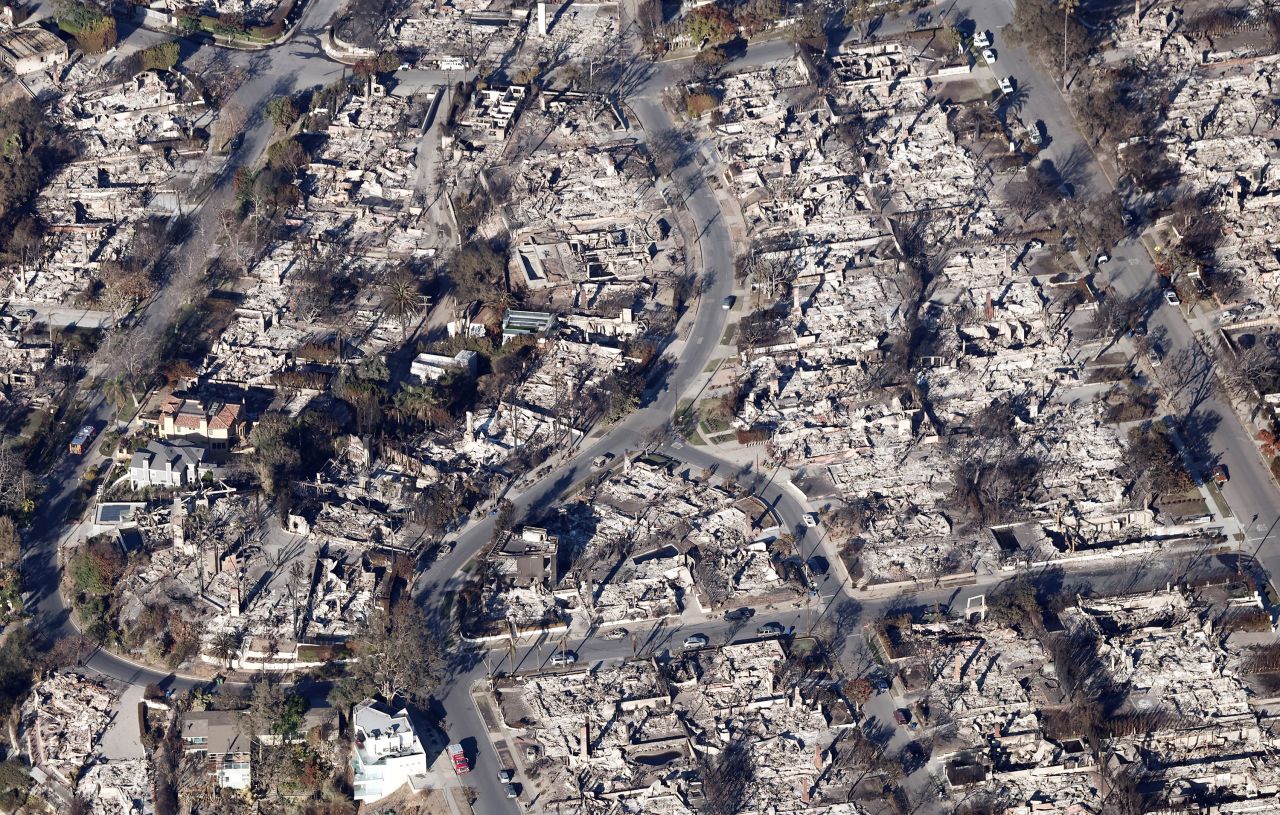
x=300, y=63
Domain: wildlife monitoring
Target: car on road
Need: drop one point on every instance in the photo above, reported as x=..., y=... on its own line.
x=1220, y=475
x=988, y=56
x=511, y=791
x=1155, y=356
x=771, y=630
x=818, y=564
x=506, y=776
x=696, y=641
x=1006, y=85
x=727, y=303
x=981, y=39
x=740, y=614
x=1171, y=297
x=616, y=634
x=810, y=519
x=564, y=658
x=602, y=461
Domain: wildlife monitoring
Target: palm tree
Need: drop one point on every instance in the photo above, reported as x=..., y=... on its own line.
x=402, y=299
x=118, y=393
x=1068, y=7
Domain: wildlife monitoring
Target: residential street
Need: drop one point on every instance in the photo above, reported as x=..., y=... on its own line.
x=1210, y=423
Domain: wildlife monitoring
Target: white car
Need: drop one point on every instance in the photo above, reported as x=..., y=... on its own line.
x=810, y=519
x=982, y=39
x=1171, y=297
x=696, y=641
x=988, y=56
x=566, y=658
x=1006, y=85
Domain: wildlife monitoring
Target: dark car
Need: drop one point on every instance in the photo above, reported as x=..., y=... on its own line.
x=740, y=614
x=818, y=565
x=901, y=716
x=512, y=792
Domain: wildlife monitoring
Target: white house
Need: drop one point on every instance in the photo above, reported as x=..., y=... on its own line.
x=433, y=366
x=173, y=463
x=388, y=753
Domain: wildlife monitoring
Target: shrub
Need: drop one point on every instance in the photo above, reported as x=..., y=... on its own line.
x=163, y=56
x=93, y=28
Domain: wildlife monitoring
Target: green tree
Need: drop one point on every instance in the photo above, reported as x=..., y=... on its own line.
x=711, y=23
x=93, y=28
x=282, y=112
x=275, y=450
x=9, y=541
x=402, y=298
x=162, y=56
x=398, y=656
x=97, y=566
x=388, y=62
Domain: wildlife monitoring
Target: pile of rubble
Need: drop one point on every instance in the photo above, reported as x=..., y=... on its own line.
x=138, y=149
x=63, y=720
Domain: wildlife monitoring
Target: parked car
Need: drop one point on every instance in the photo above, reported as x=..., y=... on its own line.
x=1251, y=308
x=771, y=630
x=901, y=716
x=564, y=658
x=740, y=614
x=602, y=461
x=1102, y=258
x=1171, y=297
x=506, y=776
x=1155, y=356
x=1033, y=133
x=512, y=792
x=818, y=565
x=1006, y=85
x=981, y=39
x=696, y=641
x=727, y=303
x=988, y=56
x=810, y=519
x=1220, y=475
x=616, y=634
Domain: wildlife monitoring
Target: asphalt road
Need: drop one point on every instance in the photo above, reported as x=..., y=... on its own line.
x=1209, y=422
x=301, y=63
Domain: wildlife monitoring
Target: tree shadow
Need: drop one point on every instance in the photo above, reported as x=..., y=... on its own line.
x=1196, y=432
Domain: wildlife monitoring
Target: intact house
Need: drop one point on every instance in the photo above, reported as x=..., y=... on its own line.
x=174, y=463
x=215, y=425
x=387, y=753
x=430, y=367
x=215, y=735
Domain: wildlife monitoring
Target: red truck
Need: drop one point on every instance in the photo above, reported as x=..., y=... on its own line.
x=460, y=765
